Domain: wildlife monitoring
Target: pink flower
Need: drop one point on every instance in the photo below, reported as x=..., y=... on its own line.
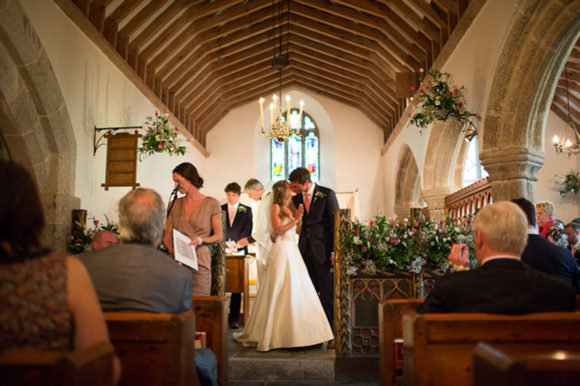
x=394, y=223
x=165, y=110
x=450, y=92
x=441, y=223
x=160, y=146
x=175, y=134
x=371, y=223
x=72, y=237
x=412, y=88
x=414, y=115
x=456, y=90
x=364, y=249
x=422, y=91
x=416, y=223
x=448, y=76
x=426, y=87
x=460, y=105
x=356, y=231
x=96, y=222
x=149, y=134
x=413, y=230
x=396, y=242
x=156, y=114
x=393, y=241
x=374, y=240
x=78, y=240
x=175, y=148
x=478, y=116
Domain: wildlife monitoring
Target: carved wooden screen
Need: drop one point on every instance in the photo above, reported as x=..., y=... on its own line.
x=122, y=159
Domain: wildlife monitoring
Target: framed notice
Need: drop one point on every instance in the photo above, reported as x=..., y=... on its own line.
x=121, y=159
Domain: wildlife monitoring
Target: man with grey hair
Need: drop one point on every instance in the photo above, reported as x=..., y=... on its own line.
x=261, y=223
x=134, y=276
x=502, y=284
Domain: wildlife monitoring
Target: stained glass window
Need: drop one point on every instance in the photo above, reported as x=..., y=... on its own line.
x=472, y=169
x=299, y=151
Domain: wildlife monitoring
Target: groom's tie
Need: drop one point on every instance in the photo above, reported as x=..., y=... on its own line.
x=306, y=202
x=232, y=215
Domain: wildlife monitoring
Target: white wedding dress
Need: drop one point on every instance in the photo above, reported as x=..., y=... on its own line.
x=287, y=312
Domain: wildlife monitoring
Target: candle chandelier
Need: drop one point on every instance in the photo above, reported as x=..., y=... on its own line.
x=280, y=128
x=565, y=144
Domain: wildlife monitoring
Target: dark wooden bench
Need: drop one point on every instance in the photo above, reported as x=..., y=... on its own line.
x=154, y=349
x=211, y=314
x=92, y=366
x=390, y=328
x=438, y=348
x=492, y=366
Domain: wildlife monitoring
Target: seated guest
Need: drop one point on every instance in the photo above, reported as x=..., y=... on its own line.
x=542, y=255
x=102, y=239
x=573, y=232
x=134, y=276
x=550, y=228
x=502, y=284
x=47, y=300
x=238, y=235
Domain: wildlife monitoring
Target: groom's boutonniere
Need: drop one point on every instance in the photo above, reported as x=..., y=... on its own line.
x=241, y=209
x=317, y=195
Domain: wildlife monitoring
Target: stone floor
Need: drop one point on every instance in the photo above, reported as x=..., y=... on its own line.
x=283, y=367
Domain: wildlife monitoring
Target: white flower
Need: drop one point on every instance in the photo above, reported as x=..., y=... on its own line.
x=437, y=103
x=432, y=243
x=157, y=138
x=405, y=236
x=405, y=220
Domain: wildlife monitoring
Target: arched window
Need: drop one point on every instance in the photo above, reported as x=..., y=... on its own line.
x=299, y=151
x=472, y=169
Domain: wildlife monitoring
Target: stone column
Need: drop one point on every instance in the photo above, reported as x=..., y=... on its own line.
x=512, y=172
x=435, y=199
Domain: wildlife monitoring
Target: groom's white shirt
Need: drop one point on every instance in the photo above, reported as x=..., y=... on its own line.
x=261, y=233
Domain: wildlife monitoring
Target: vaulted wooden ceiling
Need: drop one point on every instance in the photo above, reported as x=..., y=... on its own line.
x=203, y=58
x=561, y=97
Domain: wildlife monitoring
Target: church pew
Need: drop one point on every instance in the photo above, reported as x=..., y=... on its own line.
x=577, y=302
x=438, y=347
x=492, y=366
x=92, y=366
x=390, y=328
x=154, y=349
x=211, y=314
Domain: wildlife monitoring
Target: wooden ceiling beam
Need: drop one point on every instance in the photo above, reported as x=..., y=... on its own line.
x=422, y=23
x=427, y=11
x=561, y=102
x=305, y=27
x=117, y=16
x=97, y=13
x=231, y=14
x=376, y=9
x=405, y=43
x=134, y=24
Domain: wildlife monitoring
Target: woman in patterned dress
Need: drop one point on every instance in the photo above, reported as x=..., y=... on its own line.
x=47, y=300
x=550, y=228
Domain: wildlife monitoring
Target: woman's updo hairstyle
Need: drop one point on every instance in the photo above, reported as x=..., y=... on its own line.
x=189, y=172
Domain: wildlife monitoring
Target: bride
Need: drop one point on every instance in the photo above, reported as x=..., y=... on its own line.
x=287, y=312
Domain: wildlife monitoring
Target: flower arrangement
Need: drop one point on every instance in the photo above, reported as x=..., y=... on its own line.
x=401, y=244
x=440, y=99
x=570, y=182
x=161, y=136
x=81, y=241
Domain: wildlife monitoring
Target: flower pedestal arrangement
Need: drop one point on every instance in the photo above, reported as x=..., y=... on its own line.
x=385, y=259
x=570, y=182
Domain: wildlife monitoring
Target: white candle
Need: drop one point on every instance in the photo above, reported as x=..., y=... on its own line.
x=275, y=101
x=300, y=115
x=568, y=143
x=262, y=113
x=271, y=113
x=556, y=139
x=288, y=110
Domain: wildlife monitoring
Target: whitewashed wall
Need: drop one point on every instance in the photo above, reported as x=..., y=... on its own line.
x=98, y=94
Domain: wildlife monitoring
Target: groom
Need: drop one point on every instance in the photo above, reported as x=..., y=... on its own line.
x=317, y=236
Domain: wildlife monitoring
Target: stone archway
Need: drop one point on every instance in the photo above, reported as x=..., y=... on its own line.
x=533, y=54
x=408, y=185
x=443, y=166
x=35, y=124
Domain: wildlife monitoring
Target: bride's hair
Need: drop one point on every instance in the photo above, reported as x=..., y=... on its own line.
x=280, y=196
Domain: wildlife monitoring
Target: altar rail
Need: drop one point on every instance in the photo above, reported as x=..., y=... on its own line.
x=462, y=206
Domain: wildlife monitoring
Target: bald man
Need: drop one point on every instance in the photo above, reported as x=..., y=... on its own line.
x=102, y=239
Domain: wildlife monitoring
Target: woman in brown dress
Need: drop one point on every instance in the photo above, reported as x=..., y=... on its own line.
x=199, y=218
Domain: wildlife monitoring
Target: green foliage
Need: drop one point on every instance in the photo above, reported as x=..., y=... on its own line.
x=391, y=243
x=161, y=136
x=82, y=238
x=439, y=99
x=570, y=182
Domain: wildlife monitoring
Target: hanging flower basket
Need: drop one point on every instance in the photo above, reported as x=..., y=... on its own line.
x=570, y=182
x=440, y=99
x=161, y=137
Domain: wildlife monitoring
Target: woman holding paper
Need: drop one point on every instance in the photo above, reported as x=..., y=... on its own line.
x=199, y=218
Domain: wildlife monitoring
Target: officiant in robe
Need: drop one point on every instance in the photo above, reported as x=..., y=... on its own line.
x=317, y=237
x=237, y=237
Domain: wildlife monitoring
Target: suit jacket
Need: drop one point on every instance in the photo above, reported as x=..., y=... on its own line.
x=138, y=278
x=549, y=258
x=318, y=223
x=242, y=226
x=501, y=286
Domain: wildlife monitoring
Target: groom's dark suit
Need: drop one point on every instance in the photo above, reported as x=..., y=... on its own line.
x=317, y=243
